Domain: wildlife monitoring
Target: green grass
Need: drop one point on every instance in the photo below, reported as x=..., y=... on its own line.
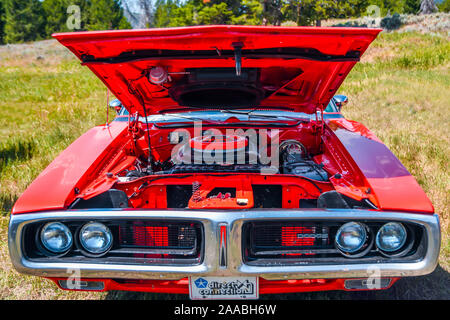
x=400, y=91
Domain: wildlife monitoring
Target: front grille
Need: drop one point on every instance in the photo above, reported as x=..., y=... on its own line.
x=281, y=236
x=286, y=239
x=146, y=239
x=156, y=235
x=134, y=242
x=275, y=243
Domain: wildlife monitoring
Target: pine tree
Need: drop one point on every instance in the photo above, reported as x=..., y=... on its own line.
x=163, y=13
x=186, y=14
x=444, y=6
x=250, y=13
x=2, y=22
x=412, y=6
x=106, y=15
x=272, y=13
x=57, y=16
x=24, y=21
x=215, y=14
x=311, y=12
x=231, y=5
x=389, y=6
x=360, y=7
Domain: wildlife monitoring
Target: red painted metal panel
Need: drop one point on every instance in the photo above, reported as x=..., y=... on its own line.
x=54, y=187
x=265, y=286
x=388, y=181
x=318, y=80
x=400, y=194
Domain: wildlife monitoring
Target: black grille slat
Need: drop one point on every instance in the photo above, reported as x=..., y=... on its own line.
x=287, y=251
x=122, y=251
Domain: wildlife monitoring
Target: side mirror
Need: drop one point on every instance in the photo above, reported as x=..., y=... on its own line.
x=116, y=105
x=340, y=100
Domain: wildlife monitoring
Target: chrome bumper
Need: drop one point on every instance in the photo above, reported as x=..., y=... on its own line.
x=212, y=220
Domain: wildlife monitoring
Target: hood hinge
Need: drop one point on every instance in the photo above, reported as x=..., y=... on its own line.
x=320, y=124
x=319, y=116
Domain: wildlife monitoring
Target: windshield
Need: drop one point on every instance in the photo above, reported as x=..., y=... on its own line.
x=243, y=115
x=331, y=107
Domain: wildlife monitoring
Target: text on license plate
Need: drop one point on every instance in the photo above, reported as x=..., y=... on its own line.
x=223, y=288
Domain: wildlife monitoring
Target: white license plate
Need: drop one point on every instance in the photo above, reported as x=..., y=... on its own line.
x=207, y=288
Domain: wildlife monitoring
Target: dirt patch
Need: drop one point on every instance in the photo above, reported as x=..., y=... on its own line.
x=45, y=53
x=373, y=53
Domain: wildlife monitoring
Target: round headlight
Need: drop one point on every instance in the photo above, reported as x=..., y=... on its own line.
x=56, y=237
x=95, y=237
x=391, y=237
x=351, y=237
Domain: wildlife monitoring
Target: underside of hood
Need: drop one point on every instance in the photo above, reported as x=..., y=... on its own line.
x=298, y=68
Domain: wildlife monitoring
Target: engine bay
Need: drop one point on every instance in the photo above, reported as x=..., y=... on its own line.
x=235, y=154
x=219, y=168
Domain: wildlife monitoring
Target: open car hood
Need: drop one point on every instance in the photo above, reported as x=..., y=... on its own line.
x=160, y=70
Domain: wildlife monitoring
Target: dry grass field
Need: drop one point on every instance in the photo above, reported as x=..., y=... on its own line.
x=400, y=91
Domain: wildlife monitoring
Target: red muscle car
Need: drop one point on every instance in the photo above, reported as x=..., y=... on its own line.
x=229, y=172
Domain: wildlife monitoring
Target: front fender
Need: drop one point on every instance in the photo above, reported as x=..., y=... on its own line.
x=55, y=187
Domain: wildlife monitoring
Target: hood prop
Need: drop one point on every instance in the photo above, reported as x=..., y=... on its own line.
x=321, y=124
x=141, y=101
x=238, y=56
x=107, y=109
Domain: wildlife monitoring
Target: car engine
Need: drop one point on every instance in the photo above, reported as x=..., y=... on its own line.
x=212, y=153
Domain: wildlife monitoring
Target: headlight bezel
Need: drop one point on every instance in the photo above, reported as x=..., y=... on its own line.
x=405, y=248
x=363, y=249
x=40, y=243
x=83, y=249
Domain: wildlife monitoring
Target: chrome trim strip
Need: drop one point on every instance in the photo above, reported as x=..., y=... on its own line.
x=234, y=219
x=223, y=245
